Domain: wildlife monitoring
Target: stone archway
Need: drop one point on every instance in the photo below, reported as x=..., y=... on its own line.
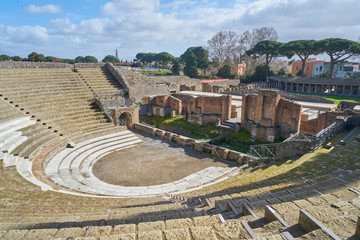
x=125, y=119
x=125, y=116
x=173, y=88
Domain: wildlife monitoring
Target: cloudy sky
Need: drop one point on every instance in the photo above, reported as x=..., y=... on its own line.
x=68, y=29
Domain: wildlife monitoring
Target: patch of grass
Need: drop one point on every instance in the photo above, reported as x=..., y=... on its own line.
x=197, y=132
x=240, y=141
x=279, y=140
x=336, y=99
x=239, y=148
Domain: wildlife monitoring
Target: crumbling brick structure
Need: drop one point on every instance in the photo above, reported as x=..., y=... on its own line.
x=268, y=116
x=204, y=109
x=323, y=121
x=162, y=105
x=196, y=109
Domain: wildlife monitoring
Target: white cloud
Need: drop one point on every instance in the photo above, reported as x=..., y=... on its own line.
x=128, y=7
x=149, y=25
x=49, y=8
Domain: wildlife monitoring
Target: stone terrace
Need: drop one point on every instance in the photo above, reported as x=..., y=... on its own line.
x=55, y=98
x=99, y=79
x=313, y=197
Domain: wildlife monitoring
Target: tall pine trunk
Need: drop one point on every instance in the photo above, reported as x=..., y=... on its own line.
x=332, y=64
x=303, y=67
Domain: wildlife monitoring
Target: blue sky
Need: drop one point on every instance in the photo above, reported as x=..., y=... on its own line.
x=68, y=29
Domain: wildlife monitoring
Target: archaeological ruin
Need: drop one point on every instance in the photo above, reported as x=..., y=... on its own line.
x=78, y=163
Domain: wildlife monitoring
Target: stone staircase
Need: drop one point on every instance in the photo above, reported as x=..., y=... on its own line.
x=99, y=79
x=230, y=124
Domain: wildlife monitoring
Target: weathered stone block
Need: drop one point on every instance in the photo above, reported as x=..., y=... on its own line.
x=234, y=155
x=144, y=128
x=222, y=152
x=184, y=141
x=208, y=148
x=168, y=136
x=159, y=132
x=199, y=146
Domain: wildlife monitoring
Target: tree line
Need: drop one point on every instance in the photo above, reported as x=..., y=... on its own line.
x=224, y=48
x=337, y=49
x=38, y=57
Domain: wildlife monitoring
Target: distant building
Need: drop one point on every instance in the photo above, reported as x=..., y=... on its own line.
x=237, y=68
x=346, y=69
x=309, y=66
x=54, y=60
x=316, y=67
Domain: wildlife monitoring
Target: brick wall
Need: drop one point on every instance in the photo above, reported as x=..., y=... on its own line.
x=323, y=121
x=267, y=116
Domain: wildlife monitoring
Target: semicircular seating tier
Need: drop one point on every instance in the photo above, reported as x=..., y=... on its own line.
x=276, y=200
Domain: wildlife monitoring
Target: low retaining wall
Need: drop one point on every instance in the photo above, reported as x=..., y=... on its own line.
x=220, y=152
x=353, y=121
x=11, y=65
x=292, y=148
x=88, y=65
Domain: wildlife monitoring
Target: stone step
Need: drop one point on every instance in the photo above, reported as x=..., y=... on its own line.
x=32, y=145
x=16, y=92
x=352, y=134
x=53, y=165
x=70, y=95
x=14, y=124
x=24, y=168
x=68, y=106
x=12, y=144
x=49, y=87
x=8, y=137
x=9, y=160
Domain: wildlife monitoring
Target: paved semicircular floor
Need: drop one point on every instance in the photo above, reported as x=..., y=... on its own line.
x=152, y=162
x=154, y=167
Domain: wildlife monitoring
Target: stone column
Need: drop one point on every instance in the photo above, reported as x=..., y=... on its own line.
x=303, y=87
x=309, y=90
x=286, y=86
x=297, y=87
x=322, y=88
x=292, y=87
x=336, y=89
x=343, y=90
x=351, y=90
x=315, y=90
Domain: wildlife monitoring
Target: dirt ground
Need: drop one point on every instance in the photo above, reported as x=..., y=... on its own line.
x=153, y=162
